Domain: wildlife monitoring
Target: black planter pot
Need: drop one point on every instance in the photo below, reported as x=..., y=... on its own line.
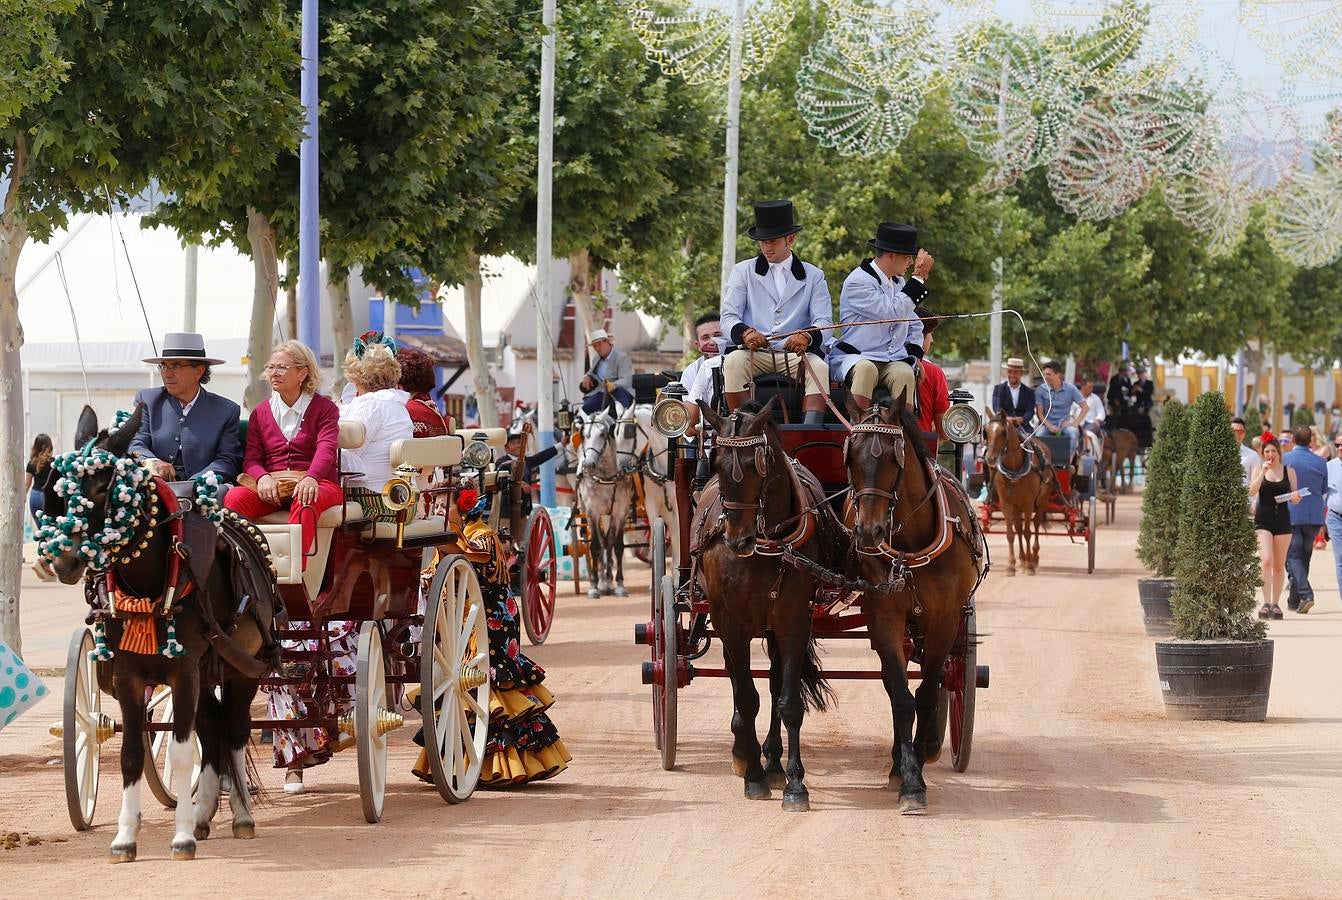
x=1154, y=592
x=1227, y=680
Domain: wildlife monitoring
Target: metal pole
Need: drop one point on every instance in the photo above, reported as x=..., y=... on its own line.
x=189, y=297
x=995, y=321
x=545, y=416
x=733, y=143
x=309, y=232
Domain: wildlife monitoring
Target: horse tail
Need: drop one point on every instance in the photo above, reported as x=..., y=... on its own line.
x=816, y=692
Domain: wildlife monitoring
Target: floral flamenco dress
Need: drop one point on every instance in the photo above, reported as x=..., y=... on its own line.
x=523, y=744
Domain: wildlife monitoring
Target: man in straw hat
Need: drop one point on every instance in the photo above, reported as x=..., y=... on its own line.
x=871, y=356
x=1014, y=397
x=611, y=378
x=187, y=431
x=772, y=294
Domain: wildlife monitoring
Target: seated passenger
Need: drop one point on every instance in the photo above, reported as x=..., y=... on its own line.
x=1061, y=408
x=867, y=356
x=417, y=380
x=776, y=293
x=611, y=378
x=697, y=379
x=293, y=442
x=1013, y=397
x=379, y=405
x=185, y=430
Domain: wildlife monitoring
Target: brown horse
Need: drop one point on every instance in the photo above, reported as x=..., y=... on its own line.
x=758, y=503
x=1121, y=446
x=914, y=533
x=1021, y=472
x=215, y=632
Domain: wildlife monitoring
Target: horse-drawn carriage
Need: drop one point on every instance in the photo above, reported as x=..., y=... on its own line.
x=847, y=601
x=392, y=563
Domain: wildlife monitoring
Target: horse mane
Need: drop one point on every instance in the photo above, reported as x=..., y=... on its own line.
x=912, y=427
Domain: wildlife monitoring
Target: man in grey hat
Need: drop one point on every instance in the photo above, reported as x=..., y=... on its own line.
x=187, y=431
x=611, y=378
x=771, y=294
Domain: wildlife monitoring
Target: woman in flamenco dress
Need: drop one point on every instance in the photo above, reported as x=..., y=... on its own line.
x=523, y=744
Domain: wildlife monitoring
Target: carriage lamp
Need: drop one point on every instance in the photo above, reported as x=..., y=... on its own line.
x=477, y=455
x=400, y=492
x=961, y=423
x=669, y=415
x=563, y=417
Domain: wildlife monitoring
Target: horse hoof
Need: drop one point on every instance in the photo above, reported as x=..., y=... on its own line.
x=758, y=790
x=606, y=592
x=122, y=854
x=202, y=832
x=1011, y=572
x=913, y=803
x=776, y=779
x=738, y=767
x=1031, y=572
x=799, y=802
x=244, y=831
x=593, y=594
x=184, y=851
x=621, y=591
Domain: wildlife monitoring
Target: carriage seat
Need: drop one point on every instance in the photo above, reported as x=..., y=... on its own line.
x=1058, y=446
x=430, y=453
x=286, y=540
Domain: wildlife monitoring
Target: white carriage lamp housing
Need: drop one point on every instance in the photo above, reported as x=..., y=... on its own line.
x=669, y=415
x=477, y=455
x=961, y=423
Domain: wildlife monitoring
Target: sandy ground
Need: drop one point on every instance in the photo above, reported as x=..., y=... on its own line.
x=1078, y=786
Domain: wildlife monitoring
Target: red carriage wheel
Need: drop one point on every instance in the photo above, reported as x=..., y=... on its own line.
x=665, y=685
x=958, y=685
x=1090, y=537
x=658, y=638
x=540, y=576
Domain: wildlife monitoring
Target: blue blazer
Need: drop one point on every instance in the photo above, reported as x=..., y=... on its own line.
x=1024, y=407
x=207, y=437
x=1311, y=471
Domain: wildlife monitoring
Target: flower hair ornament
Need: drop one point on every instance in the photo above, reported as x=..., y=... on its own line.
x=370, y=339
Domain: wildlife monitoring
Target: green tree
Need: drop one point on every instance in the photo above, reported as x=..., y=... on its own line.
x=180, y=92
x=1158, y=537
x=1216, y=570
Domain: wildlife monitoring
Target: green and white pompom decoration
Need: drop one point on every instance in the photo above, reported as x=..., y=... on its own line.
x=207, y=496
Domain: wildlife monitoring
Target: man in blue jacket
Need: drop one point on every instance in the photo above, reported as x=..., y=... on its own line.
x=187, y=431
x=1014, y=397
x=1307, y=517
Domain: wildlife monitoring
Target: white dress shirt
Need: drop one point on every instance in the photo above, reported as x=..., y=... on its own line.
x=1335, y=486
x=385, y=420
x=289, y=418
x=1250, y=462
x=779, y=273
x=1094, y=410
x=1015, y=393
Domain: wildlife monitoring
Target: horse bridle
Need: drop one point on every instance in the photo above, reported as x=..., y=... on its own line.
x=896, y=434
x=609, y=430
x=1013, y=474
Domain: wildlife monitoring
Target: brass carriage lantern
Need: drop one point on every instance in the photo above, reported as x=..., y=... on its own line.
x=564, y=418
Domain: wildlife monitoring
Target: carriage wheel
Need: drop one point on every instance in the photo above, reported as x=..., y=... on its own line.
x=540, y=576
x=642, y=543
x=665, y=685
x=158, y=772
x=373, y=719
x=454, y=679
x=956, y=702
x=1090, y=537
x=655, y=645
x=83, y=729
x=658, y=561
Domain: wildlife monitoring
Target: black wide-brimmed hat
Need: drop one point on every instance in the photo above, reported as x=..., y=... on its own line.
x=773, y=219
x=892, y=237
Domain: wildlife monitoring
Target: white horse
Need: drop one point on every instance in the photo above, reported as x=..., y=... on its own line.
x=658, y=474
x=605, y=491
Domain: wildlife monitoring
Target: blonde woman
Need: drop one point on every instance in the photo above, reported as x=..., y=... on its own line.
x=378, y=403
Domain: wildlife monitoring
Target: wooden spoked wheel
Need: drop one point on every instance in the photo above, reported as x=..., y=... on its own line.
x=373, y=719
x=658, y=545
x=1091, y=521
x=158, y=772
x=540, y=576
x=956, y=707
x=83, y=729
x=454, y=679
x=665, y=685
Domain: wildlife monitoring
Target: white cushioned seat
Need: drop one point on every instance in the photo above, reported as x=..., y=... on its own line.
x=428, y=453
x=425, y=527
x=353, y=434
x=496, y=438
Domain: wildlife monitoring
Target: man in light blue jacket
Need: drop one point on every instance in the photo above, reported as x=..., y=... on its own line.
x=866, y=356
x=1307, y=518
x=773, y=294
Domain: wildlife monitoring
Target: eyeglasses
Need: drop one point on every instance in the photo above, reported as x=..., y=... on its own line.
x=175, y=366
x=281, y=370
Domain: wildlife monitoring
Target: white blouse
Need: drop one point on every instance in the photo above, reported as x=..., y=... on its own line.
x=386, y=420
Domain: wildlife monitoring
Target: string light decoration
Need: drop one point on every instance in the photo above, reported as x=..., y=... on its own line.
x=1304, y=218
x=857, y=108
x=1304, y=36
x=932, y=43
x=1014, y=101
x=1162, y=123
x=1212, y=202
x=1119, y=45
x=1096, y=175
x=695, y=42
x=1263, y=141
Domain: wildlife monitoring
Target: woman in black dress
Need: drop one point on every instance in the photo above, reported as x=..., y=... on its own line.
x=1272, y=524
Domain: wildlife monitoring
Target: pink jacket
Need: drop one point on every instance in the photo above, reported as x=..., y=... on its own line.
x=314, y=449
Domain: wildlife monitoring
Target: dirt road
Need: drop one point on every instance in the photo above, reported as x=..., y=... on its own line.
x=1078, y=785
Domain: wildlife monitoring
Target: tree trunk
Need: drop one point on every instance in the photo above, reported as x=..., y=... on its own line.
x=291, y=300
x=485, y=393
x=13, y=503
x=342, y=325
x=265, y=284
x=687, y=318
x=580, y=288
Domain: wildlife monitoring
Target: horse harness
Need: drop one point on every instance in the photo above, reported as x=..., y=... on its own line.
x=761, y=459
x=621, y=470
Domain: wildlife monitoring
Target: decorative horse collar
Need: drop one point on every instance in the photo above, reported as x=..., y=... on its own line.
x=1017, y=474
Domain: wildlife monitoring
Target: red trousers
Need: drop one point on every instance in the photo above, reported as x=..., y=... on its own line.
x=247, y=503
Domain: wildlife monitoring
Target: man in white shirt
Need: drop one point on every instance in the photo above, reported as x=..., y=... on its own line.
x=1249, y=459
x=707, y=328
x=1333, y=520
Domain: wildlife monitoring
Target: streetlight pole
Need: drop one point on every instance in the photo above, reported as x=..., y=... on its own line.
x=309, y=232
x=544, y=280
x=189, y=298
x=733, y=144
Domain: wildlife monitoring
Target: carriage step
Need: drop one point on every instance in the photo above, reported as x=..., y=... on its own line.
x=981, y=676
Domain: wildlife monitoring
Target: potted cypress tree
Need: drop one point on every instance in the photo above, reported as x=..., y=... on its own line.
x=1218, y=666
x=1159, y=531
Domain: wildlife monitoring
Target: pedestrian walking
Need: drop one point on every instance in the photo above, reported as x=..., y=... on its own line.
x=1307, y=517
x=1272, y=524
x=1334, y=518
x=1249, y=459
